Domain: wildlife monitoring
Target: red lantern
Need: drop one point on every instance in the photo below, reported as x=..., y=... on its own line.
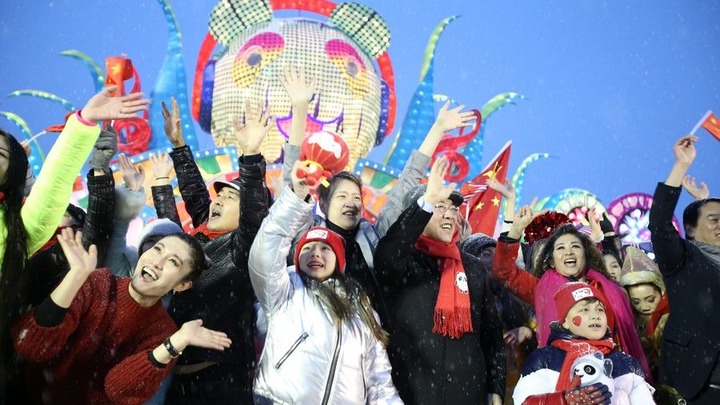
x=323, y=154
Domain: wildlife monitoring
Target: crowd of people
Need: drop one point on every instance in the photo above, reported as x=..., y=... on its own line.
x=294, y=298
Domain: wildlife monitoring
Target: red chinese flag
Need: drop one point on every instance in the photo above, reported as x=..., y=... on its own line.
x=482, y=208
x=712, y=125
x=119, y=69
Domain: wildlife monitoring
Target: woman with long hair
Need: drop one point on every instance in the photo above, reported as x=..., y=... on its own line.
x=324, y=342
x=26, y=226
x=568, y=255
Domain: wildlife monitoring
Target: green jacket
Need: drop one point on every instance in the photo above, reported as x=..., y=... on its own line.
x=45, y=206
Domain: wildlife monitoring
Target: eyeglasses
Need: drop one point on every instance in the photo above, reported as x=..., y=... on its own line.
x=442, y=208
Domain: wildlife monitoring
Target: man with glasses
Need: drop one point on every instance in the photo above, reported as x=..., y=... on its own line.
x=446, y=341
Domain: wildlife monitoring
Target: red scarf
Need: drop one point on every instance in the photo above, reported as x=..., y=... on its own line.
x=203, y=229
x=452, y=309
x=575, y=348
x=662, y=309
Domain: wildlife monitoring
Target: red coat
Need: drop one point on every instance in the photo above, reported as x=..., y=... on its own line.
x=97, y=351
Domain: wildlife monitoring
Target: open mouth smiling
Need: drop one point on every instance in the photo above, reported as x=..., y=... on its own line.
x=147, y=273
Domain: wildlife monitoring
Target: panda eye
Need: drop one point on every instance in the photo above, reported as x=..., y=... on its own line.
x=589, y=370
x=352, y=68
x=254, y=59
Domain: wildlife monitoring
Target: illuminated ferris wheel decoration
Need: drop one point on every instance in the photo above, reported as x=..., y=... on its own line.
x=630, y=215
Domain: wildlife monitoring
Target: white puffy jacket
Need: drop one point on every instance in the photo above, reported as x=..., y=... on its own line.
x=306, y=358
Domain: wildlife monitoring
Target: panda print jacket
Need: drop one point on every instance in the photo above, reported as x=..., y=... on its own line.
x=620, y=372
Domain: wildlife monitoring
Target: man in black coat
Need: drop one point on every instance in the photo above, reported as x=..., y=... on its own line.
x=222, y=296
x=691, y=268
x=446, y=340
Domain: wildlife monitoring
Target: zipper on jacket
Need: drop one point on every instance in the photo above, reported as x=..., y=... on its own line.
x=292, y=349
x=362, y=374
x=333, y=366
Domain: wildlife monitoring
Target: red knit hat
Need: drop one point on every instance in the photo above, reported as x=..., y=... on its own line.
x=320, y=234
x=572, y=293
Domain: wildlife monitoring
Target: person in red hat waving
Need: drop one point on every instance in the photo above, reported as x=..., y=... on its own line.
x=324, y=342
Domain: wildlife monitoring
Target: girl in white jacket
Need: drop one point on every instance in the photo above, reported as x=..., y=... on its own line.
x=324, y=342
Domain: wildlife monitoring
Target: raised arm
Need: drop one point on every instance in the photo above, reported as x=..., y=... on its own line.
x=520, y=282
x=415, y=168
x=190, y=181
x=45, y=206
x=269, y=251
x=40, y=334
x=162, y=191
x=129, y=201
x=700, y=192
x=507, y=190
x=253, y=190
x=668, y=246
x=394, y=248
x=300, y=90
x=101, y=195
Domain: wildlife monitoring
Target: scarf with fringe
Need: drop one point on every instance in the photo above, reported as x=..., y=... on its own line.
x=452, y=315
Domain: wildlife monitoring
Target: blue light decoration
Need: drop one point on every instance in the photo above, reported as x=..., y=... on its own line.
x=421, y=112
x=95, y=70
x=171, y=81
x=519, y=177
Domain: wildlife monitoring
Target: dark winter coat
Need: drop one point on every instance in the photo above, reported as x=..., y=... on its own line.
x=48, y=266
x=222, y=296
x=429, y=368
x=691, y=341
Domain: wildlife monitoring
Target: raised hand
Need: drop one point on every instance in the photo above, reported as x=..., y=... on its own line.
x=698, y=193
x=523, y=218
x=449, y=119
x=437, y=191
x=596, y=233
x=606, y=225
x=162, y=166
x=81, y=261
x=105, y=148
x=299, y=185
x=103, y=106
x=506, y=190
x=684, y=149
x=134, y=177
x=298, y=88
x=194, y=334
x=256, y=127
x=172, y=125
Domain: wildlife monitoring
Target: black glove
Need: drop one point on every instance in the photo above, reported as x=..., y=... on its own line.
x=605, y=225
x=597, y=393
x=105, y=148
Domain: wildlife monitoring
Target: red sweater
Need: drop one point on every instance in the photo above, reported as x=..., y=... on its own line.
x=96, y=351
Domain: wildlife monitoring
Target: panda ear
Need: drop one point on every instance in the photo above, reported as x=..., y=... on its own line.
x=598, y=355
x=364, y=25
x=229, y=18
x=608, y=365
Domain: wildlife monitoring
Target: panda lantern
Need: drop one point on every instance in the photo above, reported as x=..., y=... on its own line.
x=323, y=154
